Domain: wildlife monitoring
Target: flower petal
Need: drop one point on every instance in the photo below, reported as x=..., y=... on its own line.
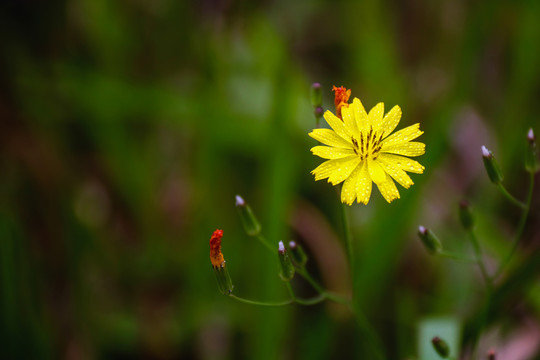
x=412, y=148
x=360, y=114
x=344, y=171
x=391, y=120
x=350, y=122
x=403, y=163
x=403, y=135
x=376, y=172
x=363, y=184
x=348, y=191
x=376, y=116
x=328, y=152
x=336, y=124
x=336, y=169
x=396, y=173
x=388, y=189
x=329, y=137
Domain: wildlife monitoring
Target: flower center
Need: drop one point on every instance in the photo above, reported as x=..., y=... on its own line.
x=369, y=145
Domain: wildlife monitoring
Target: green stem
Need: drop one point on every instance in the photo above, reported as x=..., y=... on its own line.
x=265, y=242
x=347, y=234
x=480, y=261
x=456, y=257
x=511, y=197
x=323, y=292
x=262, y=303
x=361, y=320
x=311, y=301
x=520, y=228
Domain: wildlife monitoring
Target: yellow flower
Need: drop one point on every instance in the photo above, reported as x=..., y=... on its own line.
x=361, y=151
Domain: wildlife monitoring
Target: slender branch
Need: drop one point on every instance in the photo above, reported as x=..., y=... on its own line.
x=511, y=197
x=262, y=303
x=265, y=242
x=520, y=228
x=347, y=233
x=480, y=261
x=322, y=291
x=457, y=257
x=361, y=320
x=311, y=301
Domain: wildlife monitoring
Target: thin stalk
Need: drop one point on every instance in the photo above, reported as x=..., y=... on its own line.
x=311, y=301
x=520, y=228
x=262, y=303
x=480, y=261
x=511, y=197
x=457, y=257
x=265, y=242
x=347, y=234
x=360, y=319
x=322, y=291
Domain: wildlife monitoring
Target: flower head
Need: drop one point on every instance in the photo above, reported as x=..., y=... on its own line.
x=216, y=257
x=341, y=98
x=361, y=150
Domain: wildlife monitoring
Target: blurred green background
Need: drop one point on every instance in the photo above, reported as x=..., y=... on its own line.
x=127, y=128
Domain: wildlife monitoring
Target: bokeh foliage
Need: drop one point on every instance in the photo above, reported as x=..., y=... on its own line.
x=127, y=128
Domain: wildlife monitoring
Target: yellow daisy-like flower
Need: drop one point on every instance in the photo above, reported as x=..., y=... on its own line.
x=361, y=151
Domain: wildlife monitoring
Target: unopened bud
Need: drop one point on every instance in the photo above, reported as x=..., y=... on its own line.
x=532, y=164
x=298, y=255
x=286, y=272
x=430, y=241
x=223, y=278
x=465, y=215
x=441, y=347
x=491, y=165
x=491, y=355
x=249, y=221
x=316, y=95
x=319, y=111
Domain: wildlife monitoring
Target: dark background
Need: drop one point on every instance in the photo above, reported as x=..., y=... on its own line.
x=127, y=128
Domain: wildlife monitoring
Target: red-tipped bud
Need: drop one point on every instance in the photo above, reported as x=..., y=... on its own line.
x=441, y=347
x=216, y=257
x=341, y=98
x=218, y=264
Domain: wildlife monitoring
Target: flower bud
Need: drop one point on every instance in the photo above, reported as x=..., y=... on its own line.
x=249, y=221
x=441, y=347
x=430, y=241
x=286, y=267
x=341, y=98
x=465, y=215
x=532, y=164
x=218, y=264
x=298, y=255
x=316, y=95
x=491, y=355
x=318, y=112
x=491, y=165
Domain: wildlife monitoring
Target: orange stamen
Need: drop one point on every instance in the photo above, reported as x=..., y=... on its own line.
x=216, y=257
x=341, y=98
